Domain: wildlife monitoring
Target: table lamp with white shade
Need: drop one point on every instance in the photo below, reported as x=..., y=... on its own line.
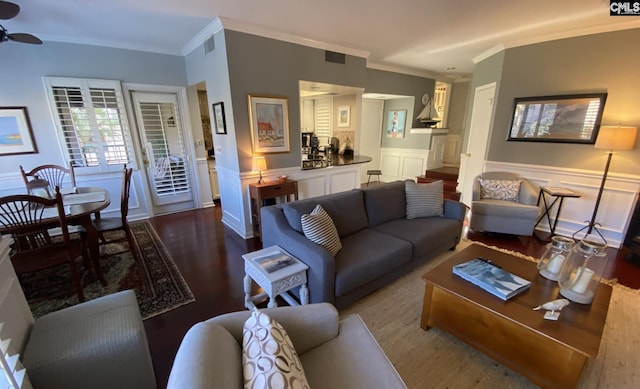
x=259, y=164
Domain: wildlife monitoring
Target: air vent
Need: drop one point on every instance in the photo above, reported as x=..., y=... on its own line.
x=332, y=56
x=209, y=45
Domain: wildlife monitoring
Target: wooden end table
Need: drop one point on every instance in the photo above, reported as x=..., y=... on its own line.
x=549, y=353
x=276, y=272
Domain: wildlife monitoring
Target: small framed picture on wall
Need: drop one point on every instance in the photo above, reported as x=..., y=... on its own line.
x=219, y=122
x=396, y=121
x=344, y=116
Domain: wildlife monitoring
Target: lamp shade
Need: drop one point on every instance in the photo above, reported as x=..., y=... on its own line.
x=616, y=138
x=259, y=164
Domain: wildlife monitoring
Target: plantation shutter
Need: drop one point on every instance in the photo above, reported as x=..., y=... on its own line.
x=170, y=172
x=92, y=122
x=323, y=119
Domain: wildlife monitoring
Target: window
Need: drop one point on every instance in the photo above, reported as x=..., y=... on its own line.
x=323, y=119
x=92, y=122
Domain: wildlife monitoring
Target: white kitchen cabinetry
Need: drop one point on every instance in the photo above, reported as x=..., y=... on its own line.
x=213, y=180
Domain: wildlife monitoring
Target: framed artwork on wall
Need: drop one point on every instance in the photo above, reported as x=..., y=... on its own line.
x=16, y=134
x=219, y=121
x=344, y=116
x=396, y=123
x=269, y=122
x=560, y=119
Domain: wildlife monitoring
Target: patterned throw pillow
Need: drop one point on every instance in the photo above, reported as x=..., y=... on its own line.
x=499, y=189
x=424, y=200
x=269, y=359
x=319, y=228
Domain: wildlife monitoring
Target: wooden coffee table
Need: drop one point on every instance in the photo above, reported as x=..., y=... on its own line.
x=549, y=353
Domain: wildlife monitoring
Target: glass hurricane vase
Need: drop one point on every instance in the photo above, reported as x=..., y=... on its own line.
x=582, y=269
x=553, y=258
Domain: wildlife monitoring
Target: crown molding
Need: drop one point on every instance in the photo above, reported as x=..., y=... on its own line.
x=231, y=24
x=105, y=43
x=210, y=29
x=488, y=53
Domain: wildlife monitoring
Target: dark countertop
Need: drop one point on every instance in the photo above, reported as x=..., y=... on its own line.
x=333, y=160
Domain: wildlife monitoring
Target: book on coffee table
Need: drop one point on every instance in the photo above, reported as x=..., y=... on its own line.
x=492, y=278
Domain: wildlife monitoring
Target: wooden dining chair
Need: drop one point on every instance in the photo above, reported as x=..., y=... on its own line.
x=28, y=219
x=120, y=223
x=55, y=175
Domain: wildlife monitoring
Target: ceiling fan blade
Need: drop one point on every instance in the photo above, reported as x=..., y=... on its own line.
x=8, y=10
x=25, y=38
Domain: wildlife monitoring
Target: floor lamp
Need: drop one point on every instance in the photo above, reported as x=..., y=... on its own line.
x=610, y=138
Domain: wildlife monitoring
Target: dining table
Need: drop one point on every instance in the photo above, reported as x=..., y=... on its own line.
x=80, y=203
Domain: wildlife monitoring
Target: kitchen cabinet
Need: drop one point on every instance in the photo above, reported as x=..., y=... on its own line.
x=213, y=180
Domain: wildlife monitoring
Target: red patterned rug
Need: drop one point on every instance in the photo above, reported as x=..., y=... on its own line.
x=158, y=284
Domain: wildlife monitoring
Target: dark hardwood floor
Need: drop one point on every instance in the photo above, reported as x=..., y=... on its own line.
x=209, y=256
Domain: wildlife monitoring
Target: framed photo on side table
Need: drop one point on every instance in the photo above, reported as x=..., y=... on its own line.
x=219, y=122
x=269, y=122
x=16, y=135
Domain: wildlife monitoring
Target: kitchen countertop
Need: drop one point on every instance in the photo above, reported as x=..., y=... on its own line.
x=334, y=160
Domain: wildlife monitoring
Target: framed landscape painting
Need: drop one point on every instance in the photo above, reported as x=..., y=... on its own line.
x=16, y=135
x=269, y=122
x=561, y=119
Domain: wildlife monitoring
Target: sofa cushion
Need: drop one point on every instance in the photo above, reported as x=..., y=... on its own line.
x=208, y=357
x=345, y=208
x=499, y=189
x=366, y=256
x=384, y=202
x=504, y=208
x=424, y=200
x=425, y=234
x=319, y=228
x=268, y=356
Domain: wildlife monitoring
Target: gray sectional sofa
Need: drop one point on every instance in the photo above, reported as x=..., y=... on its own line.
x=379, y=243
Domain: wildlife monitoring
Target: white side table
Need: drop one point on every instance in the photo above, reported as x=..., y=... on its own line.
x=277, y=272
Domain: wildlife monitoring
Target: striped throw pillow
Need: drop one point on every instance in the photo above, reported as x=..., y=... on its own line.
x=319, y=228
x=424, y=200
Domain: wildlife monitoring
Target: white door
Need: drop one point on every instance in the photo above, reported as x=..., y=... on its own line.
x=165, y=156
x=472, y=162
x=371, y=135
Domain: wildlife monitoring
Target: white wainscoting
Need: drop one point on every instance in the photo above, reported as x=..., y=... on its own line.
x=14, y=309
x=206, y=196
x=452, y=150
x=13, y=183
x=400, y=164
x=234, y=189
x=616, y=206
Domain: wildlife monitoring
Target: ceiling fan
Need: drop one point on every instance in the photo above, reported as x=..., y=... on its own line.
x=8, y=11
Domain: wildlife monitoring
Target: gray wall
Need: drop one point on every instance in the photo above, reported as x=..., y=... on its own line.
x=605, y=62
x=410, y=141
x=22, y=69
x=458, y=107
x=484, y=72
x=213, y=70
x=259, y=65
x=380, y=81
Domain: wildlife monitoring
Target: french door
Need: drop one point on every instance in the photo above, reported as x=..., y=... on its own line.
x=165, y=157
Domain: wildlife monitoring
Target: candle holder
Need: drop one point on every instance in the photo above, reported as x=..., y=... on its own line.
x=554, y=256
x=582, y=269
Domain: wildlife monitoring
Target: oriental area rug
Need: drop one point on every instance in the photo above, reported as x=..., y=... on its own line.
x=158, y=284
x=435, y=359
